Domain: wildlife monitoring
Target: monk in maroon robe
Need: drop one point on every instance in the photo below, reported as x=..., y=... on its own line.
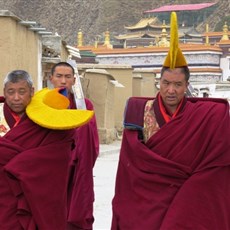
x=34, y=159
x=174, y=165
x=82, y=158
x=179, y=178
x=80, y=187
x=33, y=176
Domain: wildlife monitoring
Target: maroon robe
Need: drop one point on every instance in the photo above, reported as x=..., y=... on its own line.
x=80, y=189
x=33, y=176
x=179, y=179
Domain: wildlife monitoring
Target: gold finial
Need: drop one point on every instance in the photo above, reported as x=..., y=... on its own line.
x=95, y=44
x=164, y=42
x=225, y=33
x=96, y=41
x=79, y=38
x=207, y=37
x=107, y=39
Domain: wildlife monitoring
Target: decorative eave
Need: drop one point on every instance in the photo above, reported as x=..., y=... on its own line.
x=217, y=71
x=155, y=49
x=129, y=36
x=137, y=35
x=159, y=26
x=73, y=51
x=224, y=43
x=193, y=35
x=144, y=22
x=142, y=34
x=214, y=34
x=192, y=32
x=205, y=70
x=199, y=47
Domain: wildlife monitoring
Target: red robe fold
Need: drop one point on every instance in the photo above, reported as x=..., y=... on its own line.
x=33, y=177
x=179, y=179
x=80, y=188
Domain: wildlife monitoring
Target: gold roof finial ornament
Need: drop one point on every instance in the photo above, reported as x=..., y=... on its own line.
x=79, y=38
x=175, y=58
x=95, y=44
x=107, y=38
x=225, y=33
x=164, y=42
x=207, y=37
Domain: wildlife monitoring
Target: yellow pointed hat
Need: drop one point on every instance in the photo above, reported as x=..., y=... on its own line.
x=49, y=109
x=175, y=58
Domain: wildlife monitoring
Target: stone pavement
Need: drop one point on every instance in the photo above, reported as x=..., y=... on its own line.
x=104, y=181
x=112, y=148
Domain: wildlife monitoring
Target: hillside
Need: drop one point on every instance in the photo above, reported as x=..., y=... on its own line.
x=93, y=17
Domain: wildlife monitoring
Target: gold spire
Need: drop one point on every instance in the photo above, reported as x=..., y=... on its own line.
x=207, y=38
x=225, y=33
x=107, y=39
x=164, y=42
x=95, y=44
x=79, y=38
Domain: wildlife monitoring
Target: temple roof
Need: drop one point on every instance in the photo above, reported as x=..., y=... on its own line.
x=192, y=32
x=154, y=49
x=144, y=22
x=136, y=35
x=149, y=34
x=185, y=7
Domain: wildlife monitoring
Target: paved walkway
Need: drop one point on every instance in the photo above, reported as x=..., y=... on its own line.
x=110, y=148
x=104, y=181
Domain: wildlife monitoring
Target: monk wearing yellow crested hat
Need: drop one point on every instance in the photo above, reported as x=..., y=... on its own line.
x=34, y=154
x=174, y=163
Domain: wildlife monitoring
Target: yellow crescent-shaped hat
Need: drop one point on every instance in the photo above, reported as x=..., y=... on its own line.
x=49, y=109
x=175, y=58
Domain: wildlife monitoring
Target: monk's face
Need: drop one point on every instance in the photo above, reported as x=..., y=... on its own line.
x=63, y=77
x=18, y=95
x=173, y=86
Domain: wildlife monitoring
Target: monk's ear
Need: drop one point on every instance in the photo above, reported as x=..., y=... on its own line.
x=50, y=77
x=32, y=91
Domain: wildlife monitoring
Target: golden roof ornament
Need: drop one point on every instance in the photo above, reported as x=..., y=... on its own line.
x=164, y=42
x=79, y=38
x=107, y=39
x=207, y=37
x=225, y=33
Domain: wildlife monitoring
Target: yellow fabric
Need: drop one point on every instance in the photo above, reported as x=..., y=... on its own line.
x=175, y=57
x=48, y=108
x=56, y=100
